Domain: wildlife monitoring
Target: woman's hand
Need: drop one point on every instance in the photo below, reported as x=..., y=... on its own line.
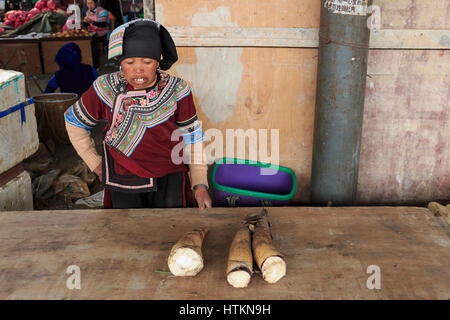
x=98, y=172
x=87, y=20
x=202, y=197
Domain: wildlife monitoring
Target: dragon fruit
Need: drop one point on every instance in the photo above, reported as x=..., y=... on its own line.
x=41, y=4
x=22, y=16
x=11, y=16
x=35, y=11
x=51, y=5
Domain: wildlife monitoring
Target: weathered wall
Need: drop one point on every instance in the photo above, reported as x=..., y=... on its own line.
x=253, y=64
x=414, y=14
x=405, y=151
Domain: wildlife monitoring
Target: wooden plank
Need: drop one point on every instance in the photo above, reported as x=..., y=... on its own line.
x=295, y=24
x=253, y=89
x=20, y=56
x=410, y=39
x=399, y=14
x=239, y=13
x=188, y=36
x=244, y=37
x=328, y=251
x=50, y=48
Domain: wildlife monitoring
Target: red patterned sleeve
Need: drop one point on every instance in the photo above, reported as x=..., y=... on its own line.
x=186, y=113
x=87, y=111
x=93, y=105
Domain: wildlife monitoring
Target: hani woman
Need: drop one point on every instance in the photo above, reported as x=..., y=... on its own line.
x=143, y=107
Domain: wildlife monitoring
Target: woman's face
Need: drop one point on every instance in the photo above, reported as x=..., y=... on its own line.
x=91, y=4
x=139, y=72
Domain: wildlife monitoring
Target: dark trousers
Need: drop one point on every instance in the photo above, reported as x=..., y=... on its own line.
x=97, y=42
x=171, y=193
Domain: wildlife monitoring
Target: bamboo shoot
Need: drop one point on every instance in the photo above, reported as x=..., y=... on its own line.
x=240, y=259
x=186, y=257
x=269, y=260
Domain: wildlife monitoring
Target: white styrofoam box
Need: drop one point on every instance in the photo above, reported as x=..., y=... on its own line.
x=17, y=195
x=18, y=140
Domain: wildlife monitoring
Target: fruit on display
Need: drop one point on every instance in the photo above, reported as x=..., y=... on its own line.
x=73, y=33
x=51, y=5
x=34, y=11
x=41, y=4
x=16, y=18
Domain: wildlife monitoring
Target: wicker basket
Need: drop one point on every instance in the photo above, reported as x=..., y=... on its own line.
x=50, y=110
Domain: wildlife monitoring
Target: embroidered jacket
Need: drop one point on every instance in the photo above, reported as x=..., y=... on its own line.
x=140, y=124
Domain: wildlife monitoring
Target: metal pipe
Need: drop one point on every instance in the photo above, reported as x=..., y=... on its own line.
x=341, y=82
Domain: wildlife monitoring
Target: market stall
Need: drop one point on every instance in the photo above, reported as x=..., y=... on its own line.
x=30, y=39
x=36, y=55
x=51, y=44
x=21, y=55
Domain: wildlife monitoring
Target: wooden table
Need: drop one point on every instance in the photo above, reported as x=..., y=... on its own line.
x=328, y=251
x=21, y=55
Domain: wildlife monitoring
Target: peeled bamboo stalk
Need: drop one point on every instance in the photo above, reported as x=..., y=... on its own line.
x=186, y=257
x=440, y=210
x=240, y=259
x=269, y=260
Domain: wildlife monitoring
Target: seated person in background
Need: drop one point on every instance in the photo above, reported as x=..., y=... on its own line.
x=96, y=20
x=72, y=76
x=12, y=5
